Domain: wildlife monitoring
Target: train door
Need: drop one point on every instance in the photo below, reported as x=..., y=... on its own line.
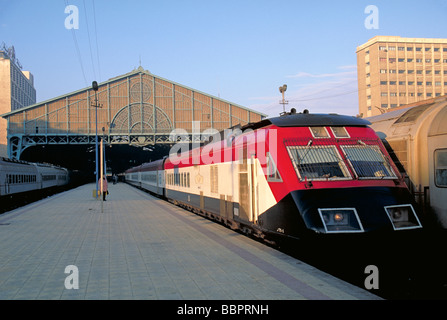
x=248, y=190
x=254, y=190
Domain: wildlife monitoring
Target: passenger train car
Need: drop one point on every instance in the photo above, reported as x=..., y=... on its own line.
x=417, y=136
x=292, y=176
x=18, y=177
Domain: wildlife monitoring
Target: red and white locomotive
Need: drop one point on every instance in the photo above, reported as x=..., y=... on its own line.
x=293, y=175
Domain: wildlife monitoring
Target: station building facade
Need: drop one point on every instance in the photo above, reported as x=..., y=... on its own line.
x=137, y=108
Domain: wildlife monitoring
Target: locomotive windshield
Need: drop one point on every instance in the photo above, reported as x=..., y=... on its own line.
x=318, y=162
x=329, y=160
x=368, y=161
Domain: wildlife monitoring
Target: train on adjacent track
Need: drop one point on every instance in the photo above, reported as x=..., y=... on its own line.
x=416, y=138
x=20, y=177
x=292, y=176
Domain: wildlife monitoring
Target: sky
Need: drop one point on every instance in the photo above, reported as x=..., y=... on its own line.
x=241, y=51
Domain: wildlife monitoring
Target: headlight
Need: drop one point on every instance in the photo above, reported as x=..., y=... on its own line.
x=403, y=217
x=340, y=220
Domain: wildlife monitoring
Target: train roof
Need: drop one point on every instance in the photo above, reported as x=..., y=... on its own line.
x=429, y=115
x=306, y=119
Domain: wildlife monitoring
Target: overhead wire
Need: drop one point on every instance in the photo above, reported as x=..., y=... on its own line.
x=78, y=52
x=357, y=90
x=96, y=39
x=77, y=48
x=89, y=42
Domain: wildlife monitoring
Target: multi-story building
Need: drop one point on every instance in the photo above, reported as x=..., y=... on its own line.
x=394, y=71
x=16, y=90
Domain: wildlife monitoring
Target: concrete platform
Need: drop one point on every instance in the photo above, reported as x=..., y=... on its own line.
x=142, y=247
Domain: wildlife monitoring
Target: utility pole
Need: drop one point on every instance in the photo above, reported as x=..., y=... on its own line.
x=96, y=105
x=283, y=89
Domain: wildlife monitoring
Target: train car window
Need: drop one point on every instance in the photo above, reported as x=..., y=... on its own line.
x=318, y=162
x=441, y=168
x=272, y=170
x=368, y=162
x=340, y=132
x=319, y=132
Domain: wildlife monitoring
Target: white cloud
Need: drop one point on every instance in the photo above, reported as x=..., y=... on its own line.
x=352, y=71
x=322, y=75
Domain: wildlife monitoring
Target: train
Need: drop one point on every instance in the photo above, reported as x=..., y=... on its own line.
x=416, y=137
x=19, y=177
x=296, y=176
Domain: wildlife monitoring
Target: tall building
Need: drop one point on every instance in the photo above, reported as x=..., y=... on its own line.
x=394, y=71
x=16, y=89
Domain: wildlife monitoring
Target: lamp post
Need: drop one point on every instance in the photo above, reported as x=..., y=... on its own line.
x=95, y=88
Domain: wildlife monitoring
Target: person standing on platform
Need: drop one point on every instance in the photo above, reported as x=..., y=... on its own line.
x=104, y=190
